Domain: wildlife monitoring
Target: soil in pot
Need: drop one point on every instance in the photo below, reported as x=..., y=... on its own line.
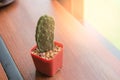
x=49, y=54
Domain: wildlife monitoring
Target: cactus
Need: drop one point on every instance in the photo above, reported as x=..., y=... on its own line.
x=45, y=33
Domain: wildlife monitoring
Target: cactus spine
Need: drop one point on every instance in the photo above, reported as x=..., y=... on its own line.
x=45, y=33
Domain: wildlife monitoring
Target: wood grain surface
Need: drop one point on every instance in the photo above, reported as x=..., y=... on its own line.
x=85, y=57
x=2, y=73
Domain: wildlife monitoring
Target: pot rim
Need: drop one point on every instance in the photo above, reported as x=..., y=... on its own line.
x=55, y=42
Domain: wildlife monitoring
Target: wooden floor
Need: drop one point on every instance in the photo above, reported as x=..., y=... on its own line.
x=85, y=56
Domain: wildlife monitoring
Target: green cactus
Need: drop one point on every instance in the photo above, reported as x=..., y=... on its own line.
x=45, y=33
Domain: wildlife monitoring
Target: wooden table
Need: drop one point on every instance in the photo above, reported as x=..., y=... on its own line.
x=85, y=56
x=2, y=73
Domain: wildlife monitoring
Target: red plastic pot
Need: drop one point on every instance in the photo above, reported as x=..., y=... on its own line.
x=48, y=67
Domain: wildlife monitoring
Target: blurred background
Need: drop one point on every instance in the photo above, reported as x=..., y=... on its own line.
x=102, y=15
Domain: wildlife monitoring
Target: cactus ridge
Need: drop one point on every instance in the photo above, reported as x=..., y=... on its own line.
x=45, y=33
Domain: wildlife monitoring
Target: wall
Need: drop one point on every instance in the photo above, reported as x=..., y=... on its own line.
x=75, y=7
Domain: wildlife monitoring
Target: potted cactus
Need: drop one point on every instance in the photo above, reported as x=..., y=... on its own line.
x=47, y=54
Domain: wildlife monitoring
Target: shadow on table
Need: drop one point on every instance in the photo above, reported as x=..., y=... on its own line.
x=57, y=76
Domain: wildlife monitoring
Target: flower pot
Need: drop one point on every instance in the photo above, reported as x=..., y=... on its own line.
x=48, y=67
